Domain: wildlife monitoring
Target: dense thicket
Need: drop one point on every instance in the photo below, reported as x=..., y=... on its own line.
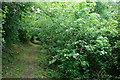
x=12, y=13
x=82, y=38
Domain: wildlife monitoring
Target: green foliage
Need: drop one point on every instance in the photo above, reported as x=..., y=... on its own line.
x=3, y=14
x=82, y=38
x=12, y=14
x=86, y=47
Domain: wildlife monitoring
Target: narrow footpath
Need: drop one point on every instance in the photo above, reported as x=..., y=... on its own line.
x=31, y=62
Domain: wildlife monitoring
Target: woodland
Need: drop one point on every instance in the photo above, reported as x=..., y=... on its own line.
x=61, y=40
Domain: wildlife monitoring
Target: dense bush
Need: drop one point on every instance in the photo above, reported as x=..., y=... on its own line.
x=12, y=14
x=86, y=49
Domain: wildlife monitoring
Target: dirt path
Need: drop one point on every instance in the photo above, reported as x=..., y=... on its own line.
x=31, y=62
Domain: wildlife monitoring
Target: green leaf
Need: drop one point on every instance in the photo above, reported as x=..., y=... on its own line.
x=51, y=62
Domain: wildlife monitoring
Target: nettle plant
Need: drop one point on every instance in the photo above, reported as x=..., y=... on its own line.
x=83, y=57
x=87, y=47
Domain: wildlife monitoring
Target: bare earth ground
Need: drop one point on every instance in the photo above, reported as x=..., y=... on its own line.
x=30, y=62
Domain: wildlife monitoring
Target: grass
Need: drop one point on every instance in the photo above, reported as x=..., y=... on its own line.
x=27, y=61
